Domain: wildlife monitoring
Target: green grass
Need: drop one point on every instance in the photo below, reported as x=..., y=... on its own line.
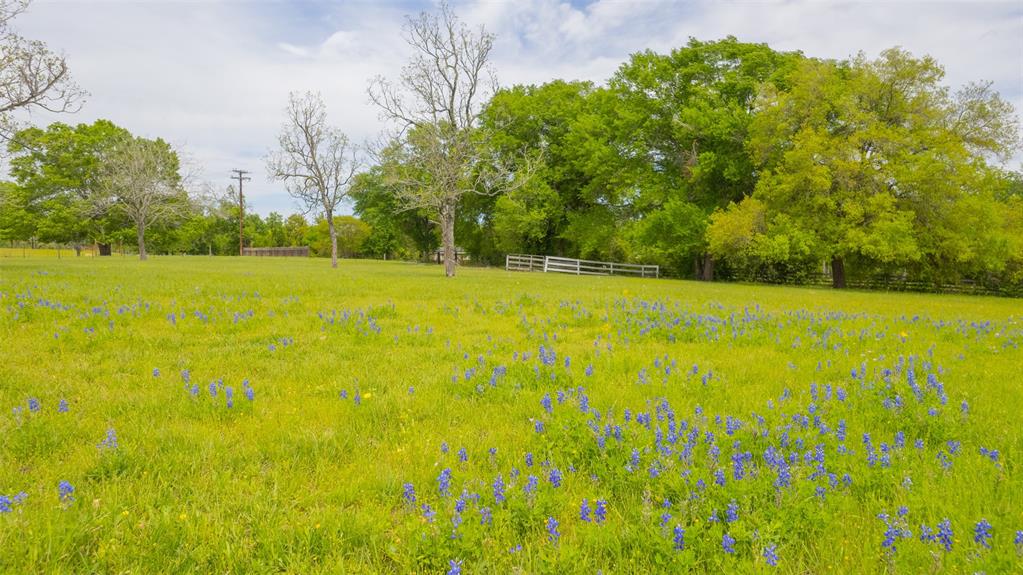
x=302, y=481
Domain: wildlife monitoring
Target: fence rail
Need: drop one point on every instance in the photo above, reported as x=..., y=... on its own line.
x=295, y=252
x=551, y=264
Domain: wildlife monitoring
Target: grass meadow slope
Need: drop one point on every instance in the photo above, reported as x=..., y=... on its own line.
x=236, y=415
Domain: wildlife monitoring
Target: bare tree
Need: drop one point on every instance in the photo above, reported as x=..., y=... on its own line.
x=440, y=153
x=141, y=178
x=315, y=160
x=31, y=76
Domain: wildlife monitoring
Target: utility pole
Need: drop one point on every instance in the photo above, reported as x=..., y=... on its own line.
x=241, y=177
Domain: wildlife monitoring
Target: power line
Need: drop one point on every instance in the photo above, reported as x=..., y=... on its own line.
x=241, y=177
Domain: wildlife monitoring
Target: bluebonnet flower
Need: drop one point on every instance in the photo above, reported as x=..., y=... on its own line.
x=499, y=489
x=344, y=394
x=444, y=482
x=110, y=441
x=552, y=530
x=63, y=407
x=409, y=493
x=991, y=454
x=456, y=522
x=894, y=530
x=679, y=538
x=444, y=447
x=584, y=510
x=538, y=426
x=186, y=376
x=728, y=543
x=33, y=404
x=982, y=533
x=5, y=504
x=771, y=555
x=463, y=455
x=600, y=510
x=944, y=536
x=229, y=394
x=555, y=477
x=531, y=483
x=213, y=389
x=486, y=518
x=250, y=393
x=965, y=408
x=66, y=492
x=732, y=513
x=1018, y=541
x=428, y=513
x=455, y=567
x=529, y=459
x=589, y=370
x=156, y=372
x=719, y=477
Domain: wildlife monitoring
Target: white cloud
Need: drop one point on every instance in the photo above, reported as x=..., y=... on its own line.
x=215, y=77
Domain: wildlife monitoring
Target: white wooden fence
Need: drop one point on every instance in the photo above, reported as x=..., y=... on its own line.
x=531, y=263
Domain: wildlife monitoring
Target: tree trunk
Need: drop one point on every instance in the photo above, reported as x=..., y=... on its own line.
x=333, y=239
x=707, y=273
x=104, y=249
x=837, y=273
x=447, y=237
x=141, y=229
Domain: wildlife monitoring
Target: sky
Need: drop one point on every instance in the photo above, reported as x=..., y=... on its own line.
x=213, y=78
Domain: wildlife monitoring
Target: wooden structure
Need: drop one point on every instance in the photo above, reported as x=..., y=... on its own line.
x=292, y=252
x=551, y=264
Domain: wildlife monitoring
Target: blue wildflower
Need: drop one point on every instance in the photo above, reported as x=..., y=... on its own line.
x=156, y=372
x=66, y=492
x=679, y=538
x=229, y=394
x=552, y=530
x=455, y=567
x=63, y=407
x=732, y=514
x=728, y=543
x=982, y=533
x=499, y=489
x=444, y=482
x=110, y=441
x=771, y=555
x=600, y=511
x=531, y=483
x=555, y=477
x=944, y=536
x=584, y=510
x=5, y=504
x=428, y=513
x=409, y=493
x=463, y=455
x=33, y=404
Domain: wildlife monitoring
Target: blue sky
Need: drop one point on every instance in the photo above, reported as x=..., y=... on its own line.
x=213, y=77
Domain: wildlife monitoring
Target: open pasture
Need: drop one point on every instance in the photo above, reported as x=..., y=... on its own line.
x=235, y=415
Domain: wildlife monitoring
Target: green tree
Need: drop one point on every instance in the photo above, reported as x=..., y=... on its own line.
x=881, y=166
x=58, y=171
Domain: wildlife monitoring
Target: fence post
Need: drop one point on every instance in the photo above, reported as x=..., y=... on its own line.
x=545, y=264
x=576, y=267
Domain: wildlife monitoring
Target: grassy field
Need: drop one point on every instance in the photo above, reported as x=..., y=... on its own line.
x=230, y=415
